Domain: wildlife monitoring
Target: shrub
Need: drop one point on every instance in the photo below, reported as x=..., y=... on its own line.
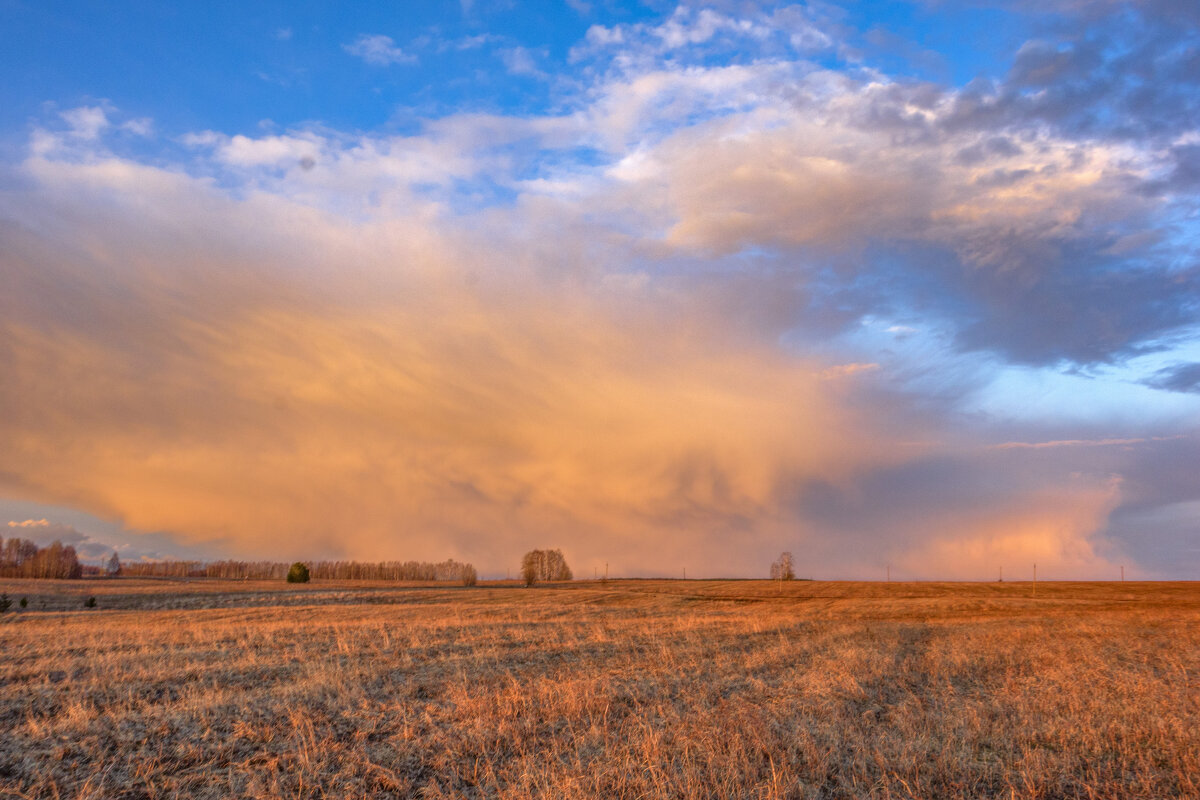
x=24, y=602
x=298, y=573
x=469, y=576
x=89, y=603
x=4, y=603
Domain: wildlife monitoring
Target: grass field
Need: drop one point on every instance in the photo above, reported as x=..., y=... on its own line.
x=731, y=689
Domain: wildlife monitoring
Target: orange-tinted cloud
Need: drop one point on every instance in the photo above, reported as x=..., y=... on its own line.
x=334, y=388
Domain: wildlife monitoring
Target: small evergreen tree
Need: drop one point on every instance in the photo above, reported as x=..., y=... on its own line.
x=298, y=573
x=113, y=568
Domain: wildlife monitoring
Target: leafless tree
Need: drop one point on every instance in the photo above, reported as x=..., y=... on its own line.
x=544, y=565
x=20, y=558
x=783, y=569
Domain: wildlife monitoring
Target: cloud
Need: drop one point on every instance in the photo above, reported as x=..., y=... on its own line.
x=689, y=33
x=711, y=305
x=86, y=122
x=1177, y=378
x=378, y=50
x=43, y=532
x=141, y=126
x=520, y=61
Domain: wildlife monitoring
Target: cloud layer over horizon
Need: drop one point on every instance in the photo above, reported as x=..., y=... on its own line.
x=736, y=290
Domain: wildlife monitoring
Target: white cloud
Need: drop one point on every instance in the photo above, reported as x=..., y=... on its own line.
x=378, y=50
x=86, y=122
x=244, y=151
x=142, y=126
x=520, y=61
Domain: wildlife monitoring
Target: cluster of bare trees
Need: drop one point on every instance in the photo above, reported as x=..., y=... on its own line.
x=783, y=569
x=205, y=569
x=544, y=565
x=449, y=570
x=21, y=558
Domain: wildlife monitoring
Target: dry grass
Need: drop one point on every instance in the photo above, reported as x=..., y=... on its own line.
x=629, y=689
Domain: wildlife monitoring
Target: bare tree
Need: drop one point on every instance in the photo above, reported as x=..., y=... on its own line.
x=113, y=568
x=544, y=565
x=783, y=569
x=24, y=559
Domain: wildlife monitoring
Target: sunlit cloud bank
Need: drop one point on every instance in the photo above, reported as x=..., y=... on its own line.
x=711, y=309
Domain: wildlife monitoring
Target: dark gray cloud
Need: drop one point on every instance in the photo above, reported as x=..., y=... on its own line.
x=1177, y=378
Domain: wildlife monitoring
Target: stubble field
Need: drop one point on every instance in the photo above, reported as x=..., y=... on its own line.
x=633, y=689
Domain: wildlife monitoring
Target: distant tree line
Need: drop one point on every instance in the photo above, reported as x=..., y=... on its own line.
x=544, y=565
x=21, y=558
x=449, y=570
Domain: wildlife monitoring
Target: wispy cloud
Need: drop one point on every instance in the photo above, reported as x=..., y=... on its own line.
x=86, y=122
x=378, y=50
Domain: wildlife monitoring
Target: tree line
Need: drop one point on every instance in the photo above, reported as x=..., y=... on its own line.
x=449, y=570
x=21, y=558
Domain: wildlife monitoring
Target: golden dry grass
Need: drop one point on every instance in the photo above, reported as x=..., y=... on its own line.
x=628, y=689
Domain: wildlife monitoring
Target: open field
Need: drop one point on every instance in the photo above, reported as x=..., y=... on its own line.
x=626, y=689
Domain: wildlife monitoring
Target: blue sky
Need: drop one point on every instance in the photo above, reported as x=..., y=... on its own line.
x=235, y=64
x=913, y=283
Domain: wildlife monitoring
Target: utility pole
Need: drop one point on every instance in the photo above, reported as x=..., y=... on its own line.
x=1122, y=573
x=685, y=573
x=1035, y=580
x=606, y=570
x=1002, y=573
x=889, y=573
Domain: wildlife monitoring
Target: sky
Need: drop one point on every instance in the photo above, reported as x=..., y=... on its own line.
x=907, y=286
